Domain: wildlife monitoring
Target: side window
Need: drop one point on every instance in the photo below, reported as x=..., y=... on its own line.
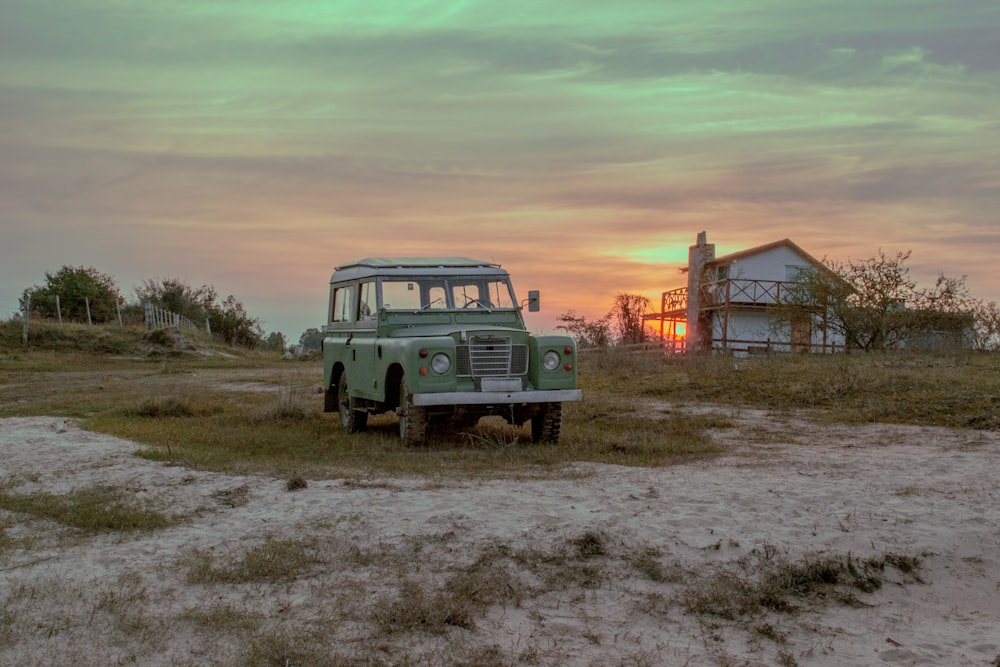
x=366, y=302
x=343, y=300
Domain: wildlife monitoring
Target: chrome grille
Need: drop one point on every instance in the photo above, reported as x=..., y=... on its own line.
x=491, y=356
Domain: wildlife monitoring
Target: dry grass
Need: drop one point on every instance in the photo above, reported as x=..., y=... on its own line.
x=193, y=409
x=272, y=561
x=961, y=389
x=311, y=600
x=99, y=509
x=766, y=580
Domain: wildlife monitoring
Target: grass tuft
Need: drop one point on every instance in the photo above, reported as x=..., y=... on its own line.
x=766, y=580
x=415, y=607
x=273, y=561
x=296, y=483
x=99, y=509
x=162, y=408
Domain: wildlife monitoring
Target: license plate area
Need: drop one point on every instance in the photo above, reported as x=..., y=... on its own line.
x=500, y=384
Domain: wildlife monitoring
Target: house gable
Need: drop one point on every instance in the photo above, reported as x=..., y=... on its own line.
x=776, y=261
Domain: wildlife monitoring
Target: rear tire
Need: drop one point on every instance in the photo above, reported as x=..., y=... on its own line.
x=412, y=419
x=547, y=423
x=352, y=419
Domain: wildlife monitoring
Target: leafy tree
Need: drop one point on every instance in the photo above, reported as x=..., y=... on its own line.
x=177, y=296
x=311, y=339
x=626, y=318
x=874, y=304
x=274, y=342
x=588, y=333
x=229, y=320
x=75, y=287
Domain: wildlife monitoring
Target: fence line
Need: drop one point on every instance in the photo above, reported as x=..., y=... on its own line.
x=161, y=318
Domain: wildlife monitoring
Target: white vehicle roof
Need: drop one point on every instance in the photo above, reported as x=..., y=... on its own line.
x=415, y=266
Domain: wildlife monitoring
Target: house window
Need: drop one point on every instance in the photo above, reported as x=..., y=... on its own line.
x=797, y=274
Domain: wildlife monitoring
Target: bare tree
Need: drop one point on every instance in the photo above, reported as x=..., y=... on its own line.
x=588, y=333
x=626, y=317
x=874, y=304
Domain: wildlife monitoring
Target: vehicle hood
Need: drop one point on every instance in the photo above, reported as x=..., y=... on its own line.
x=455, y=330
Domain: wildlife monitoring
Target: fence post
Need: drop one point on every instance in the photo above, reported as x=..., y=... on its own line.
x=27, y=309
x=86, y=300
x=59, y=311
x=118, y=307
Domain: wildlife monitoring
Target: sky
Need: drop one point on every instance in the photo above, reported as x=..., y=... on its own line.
x=253, y=146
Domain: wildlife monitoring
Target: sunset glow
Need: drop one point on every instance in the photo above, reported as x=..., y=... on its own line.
x=255, y=145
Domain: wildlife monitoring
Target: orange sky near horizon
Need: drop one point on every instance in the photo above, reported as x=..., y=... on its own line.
x=253, y=146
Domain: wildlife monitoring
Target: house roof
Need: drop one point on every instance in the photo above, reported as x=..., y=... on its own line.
x=787, y=243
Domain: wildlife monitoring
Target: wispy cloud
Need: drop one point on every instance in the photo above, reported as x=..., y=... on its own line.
x=582, y=144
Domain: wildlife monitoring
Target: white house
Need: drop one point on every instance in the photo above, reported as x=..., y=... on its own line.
x=727, y=304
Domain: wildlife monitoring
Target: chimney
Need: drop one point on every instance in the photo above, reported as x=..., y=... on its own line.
x=698, y=333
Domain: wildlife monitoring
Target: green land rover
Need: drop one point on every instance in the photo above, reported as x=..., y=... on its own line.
x=440, y=341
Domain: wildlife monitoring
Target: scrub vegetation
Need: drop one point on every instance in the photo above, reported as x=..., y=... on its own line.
x=241, y=411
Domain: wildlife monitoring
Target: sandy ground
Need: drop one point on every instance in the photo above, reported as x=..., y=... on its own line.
x=822, y=490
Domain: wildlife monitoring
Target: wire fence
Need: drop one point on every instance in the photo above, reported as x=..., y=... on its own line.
x=149, y=315
x=160, y=318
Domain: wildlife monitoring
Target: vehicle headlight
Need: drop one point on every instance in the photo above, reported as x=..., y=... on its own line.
x=440, y=363
x=551, y=360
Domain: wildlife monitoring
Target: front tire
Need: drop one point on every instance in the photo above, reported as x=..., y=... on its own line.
x=352, y=419
x=547, y=423
x=412, y=419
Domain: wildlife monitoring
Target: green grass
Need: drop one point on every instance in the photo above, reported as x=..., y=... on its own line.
x=99, y=509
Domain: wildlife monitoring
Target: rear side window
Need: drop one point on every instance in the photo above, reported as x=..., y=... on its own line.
x=366, y=304
x=343, y=304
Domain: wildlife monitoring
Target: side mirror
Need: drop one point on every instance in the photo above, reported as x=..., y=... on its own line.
x=534, y=301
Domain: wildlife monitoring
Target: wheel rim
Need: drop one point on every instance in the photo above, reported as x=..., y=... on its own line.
x=344, y=402
x=404, y=397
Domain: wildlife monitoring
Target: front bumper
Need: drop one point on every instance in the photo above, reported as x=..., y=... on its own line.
x=498, y=397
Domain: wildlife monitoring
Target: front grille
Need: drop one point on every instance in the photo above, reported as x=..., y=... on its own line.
x=491, y=356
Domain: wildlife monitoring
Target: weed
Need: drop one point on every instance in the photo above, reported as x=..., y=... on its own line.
x=768, y=581
x=6, y=541
x=162, y=408
x=98, y=509
x=223, y=618
x=282, y=648
x=647, y=561
x=414, y=607
x=237, y=496
x=768, y=631
x=589, y=545
x=296, y=483
x=274, y=560
x=786, y=659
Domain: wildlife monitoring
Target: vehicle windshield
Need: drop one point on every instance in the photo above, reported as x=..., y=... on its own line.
x=446, y=293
